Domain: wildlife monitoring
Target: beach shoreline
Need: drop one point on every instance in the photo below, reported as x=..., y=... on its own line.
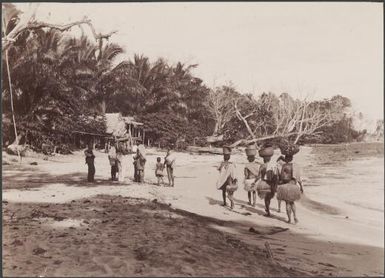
x=325, y=241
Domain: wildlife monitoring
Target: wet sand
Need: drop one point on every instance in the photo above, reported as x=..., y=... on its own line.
x=324, y=243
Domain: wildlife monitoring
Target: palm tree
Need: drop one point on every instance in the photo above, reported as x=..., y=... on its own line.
x=90, y=66
x=10, y=17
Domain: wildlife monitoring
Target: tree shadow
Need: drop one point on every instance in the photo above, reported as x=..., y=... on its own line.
x=29, y=178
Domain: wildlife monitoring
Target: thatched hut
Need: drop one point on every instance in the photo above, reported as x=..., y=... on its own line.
x=125, y=128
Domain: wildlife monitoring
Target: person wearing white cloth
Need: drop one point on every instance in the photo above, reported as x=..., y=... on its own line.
x=121, y=157
x=169, y=161
x=251, y=174
x=227, y=181
x=113, y=161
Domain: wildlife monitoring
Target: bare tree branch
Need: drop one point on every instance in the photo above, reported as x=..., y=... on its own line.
x=28, y=22
x=243, y=119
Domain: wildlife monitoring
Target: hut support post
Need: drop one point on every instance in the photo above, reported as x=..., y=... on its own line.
x=144, y=133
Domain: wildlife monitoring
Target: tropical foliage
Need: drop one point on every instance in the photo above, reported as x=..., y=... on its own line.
x=62, y=83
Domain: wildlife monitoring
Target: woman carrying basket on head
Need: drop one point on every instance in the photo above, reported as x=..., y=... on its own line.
x=227, y=181
x=268, y=173
x=290, y=181
x=251, y=174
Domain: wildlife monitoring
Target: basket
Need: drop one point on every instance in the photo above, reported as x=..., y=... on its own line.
x=289, y=149
x=251, y=150
x=249, y=185
x=266, y=152
x=159, y=172
x=290, y=192
x=263, y=188
x=226, y=150
x=231, y=187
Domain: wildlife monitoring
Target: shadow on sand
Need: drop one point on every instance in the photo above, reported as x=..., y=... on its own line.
x=313, y=256
x=29, y=178
x=249, y=209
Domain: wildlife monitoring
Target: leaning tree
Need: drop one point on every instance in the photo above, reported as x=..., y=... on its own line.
x=22, y=33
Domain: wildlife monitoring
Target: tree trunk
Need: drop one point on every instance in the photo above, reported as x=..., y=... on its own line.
x=239, y=115
x=17, y=139
x=103, y=106
x=301, y=126
x=216, y=128
x=260, y=139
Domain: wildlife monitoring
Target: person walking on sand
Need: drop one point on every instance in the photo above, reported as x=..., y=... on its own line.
x=251, y=174
x=280, y=162
x=227, y=181
x=112, y=157
x=159, y=171
x=121, y=152
x=90, y=157
x=135, y=151
x=139, y=163
x=136, y=178
x=268, y=173
x=290, y=187
x=169, y=161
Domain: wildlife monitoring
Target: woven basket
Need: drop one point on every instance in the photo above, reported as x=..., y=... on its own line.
x=262, y=188
x=288, y=148
x=250, y=185
x=232, y=187
x=266, y=152
x=290, y=192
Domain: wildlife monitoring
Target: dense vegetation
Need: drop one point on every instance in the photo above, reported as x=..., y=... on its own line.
x=62, y=83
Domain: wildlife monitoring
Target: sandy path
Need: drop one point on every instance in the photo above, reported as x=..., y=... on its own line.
x=324, y=241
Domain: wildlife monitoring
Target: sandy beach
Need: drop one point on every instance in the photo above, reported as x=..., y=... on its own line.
x=79, y=226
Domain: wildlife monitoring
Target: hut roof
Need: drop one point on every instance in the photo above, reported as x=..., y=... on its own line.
x=131, y=120
x=116, y=123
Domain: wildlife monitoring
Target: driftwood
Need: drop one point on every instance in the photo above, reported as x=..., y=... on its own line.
x=208, y=150
x=250, y=141
x=214, y=139
x=195, y=149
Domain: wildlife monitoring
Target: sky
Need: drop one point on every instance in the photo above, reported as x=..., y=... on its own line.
x=312, y=49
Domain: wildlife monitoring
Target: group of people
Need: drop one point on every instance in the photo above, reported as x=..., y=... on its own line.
x=117, y=156
x=265, y=179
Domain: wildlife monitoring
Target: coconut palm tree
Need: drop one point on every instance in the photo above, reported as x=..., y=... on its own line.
x=10, y=16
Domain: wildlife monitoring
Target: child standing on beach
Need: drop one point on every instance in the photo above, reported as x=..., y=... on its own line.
x=159, y=170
